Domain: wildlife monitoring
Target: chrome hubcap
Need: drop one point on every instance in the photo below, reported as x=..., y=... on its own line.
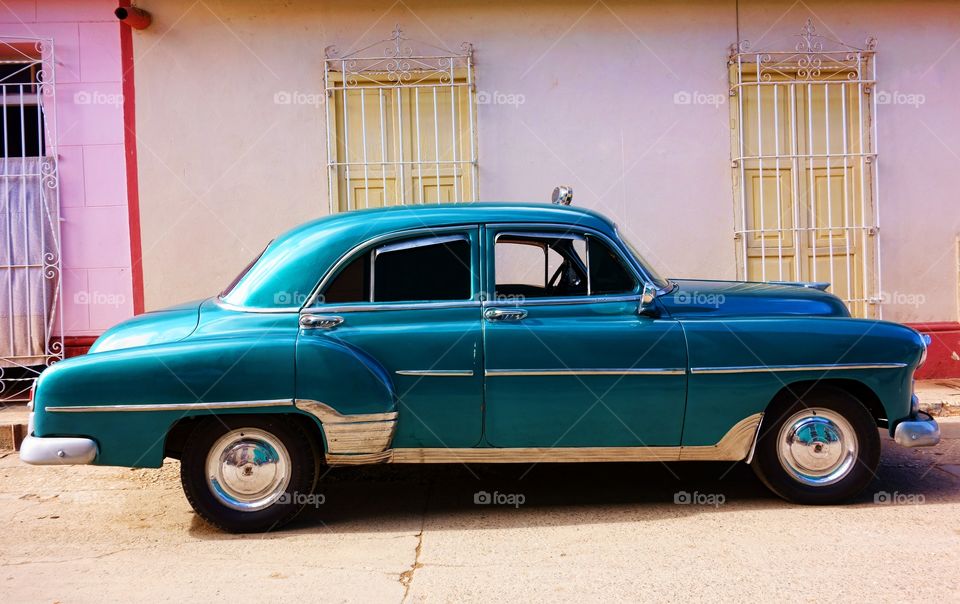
x=248, y=469
x=817, y=446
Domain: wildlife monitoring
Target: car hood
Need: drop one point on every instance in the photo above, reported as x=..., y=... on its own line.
x=155, y=327
x=710, y=299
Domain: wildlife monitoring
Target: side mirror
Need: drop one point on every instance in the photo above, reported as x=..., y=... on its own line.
x=647, y=297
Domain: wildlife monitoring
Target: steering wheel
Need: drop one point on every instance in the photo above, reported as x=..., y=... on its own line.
x=555, y=279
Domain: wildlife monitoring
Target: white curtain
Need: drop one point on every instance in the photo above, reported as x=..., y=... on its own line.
x=29, y=259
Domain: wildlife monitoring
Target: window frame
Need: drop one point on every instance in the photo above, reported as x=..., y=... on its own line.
x=493, y=231
x=471, y=233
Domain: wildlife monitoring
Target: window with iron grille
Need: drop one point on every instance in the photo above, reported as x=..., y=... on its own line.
x=804, y=162
x=31, y=323
x=400, y=126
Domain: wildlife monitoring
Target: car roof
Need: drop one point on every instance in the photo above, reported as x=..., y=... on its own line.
x=295, y=260
x=444, y=214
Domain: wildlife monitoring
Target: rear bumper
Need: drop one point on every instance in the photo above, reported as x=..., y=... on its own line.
x=57, y=451
x=921, y=431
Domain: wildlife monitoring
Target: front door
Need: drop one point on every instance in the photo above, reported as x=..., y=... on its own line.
x=408, y=311
x=569, y=361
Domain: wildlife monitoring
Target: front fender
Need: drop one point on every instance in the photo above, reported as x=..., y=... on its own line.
x=248, y=366
x=738, y=365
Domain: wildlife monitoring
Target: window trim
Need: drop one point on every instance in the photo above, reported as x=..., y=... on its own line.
x=630, y=263
x=354, y=253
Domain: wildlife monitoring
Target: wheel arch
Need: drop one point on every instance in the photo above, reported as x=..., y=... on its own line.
x=181, y=430
x=859, y=390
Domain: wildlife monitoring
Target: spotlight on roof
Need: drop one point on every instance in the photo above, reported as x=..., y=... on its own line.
x=562, y=195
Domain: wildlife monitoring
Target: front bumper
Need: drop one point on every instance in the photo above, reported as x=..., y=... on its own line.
x=56, y=451
x=921, y=431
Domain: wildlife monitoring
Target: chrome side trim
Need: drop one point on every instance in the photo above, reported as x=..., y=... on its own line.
x=359, y=459
x=437, y=372
x=564, y=301
x=538, y=372
x=369, y=306
x=327, y=414
x=171, y=406
x=361, y=433
x=39, y=451
x=536, y=455
x=734, y=446
x=784, y=368
x=753, y=445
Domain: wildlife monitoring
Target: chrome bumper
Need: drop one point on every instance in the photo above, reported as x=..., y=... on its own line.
x=57, y=451
x=920, y=432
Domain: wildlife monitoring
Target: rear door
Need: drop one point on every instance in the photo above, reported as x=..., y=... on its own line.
x=409, y=309
x=569, y=361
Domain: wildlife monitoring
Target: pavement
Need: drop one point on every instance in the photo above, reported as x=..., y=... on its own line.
x=585, y=532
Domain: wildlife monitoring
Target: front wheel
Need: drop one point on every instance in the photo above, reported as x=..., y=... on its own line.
x=248, y=473
x=821, y=449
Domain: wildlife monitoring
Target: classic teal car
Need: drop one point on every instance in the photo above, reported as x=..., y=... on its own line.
x=473, y=334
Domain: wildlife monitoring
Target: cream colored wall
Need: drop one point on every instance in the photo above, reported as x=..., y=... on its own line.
x=223, y=168
x=919, y=136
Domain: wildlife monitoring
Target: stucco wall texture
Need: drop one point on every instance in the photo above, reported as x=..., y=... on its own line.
x=223, y=168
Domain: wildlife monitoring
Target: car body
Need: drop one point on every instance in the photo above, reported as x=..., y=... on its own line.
x=478, y=333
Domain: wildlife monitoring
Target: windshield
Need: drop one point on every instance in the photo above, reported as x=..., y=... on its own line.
x=658, y=281
x=226, y=291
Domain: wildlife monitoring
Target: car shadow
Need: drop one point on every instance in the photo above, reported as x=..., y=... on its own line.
x=401, y=497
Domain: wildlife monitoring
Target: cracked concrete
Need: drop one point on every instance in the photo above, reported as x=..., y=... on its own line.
x=588, y=532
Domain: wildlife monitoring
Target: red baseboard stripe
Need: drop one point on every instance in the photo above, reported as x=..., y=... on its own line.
x=77, y=345
x=943, y=356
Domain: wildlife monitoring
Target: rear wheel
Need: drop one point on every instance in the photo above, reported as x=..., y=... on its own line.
x=248, y=473
x=822, y=449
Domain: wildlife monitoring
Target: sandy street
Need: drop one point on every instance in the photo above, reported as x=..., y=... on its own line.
x=553, y=532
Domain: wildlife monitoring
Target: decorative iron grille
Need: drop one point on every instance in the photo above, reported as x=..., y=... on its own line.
x=400, y=125
x=31, y=336
x=804, y=161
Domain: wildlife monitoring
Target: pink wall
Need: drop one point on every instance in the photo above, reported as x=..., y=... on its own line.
x=97, y=290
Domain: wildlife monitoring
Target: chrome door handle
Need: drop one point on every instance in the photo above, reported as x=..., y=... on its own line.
x=502, y=314
x=320, y=321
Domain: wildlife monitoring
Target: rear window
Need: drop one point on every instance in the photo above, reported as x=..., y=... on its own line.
x=422, y=269
x=226, y=291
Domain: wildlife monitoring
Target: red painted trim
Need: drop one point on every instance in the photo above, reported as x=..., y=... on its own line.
x=935, y=326
x=943, y=355
x=130, y=147
x=77, y=345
